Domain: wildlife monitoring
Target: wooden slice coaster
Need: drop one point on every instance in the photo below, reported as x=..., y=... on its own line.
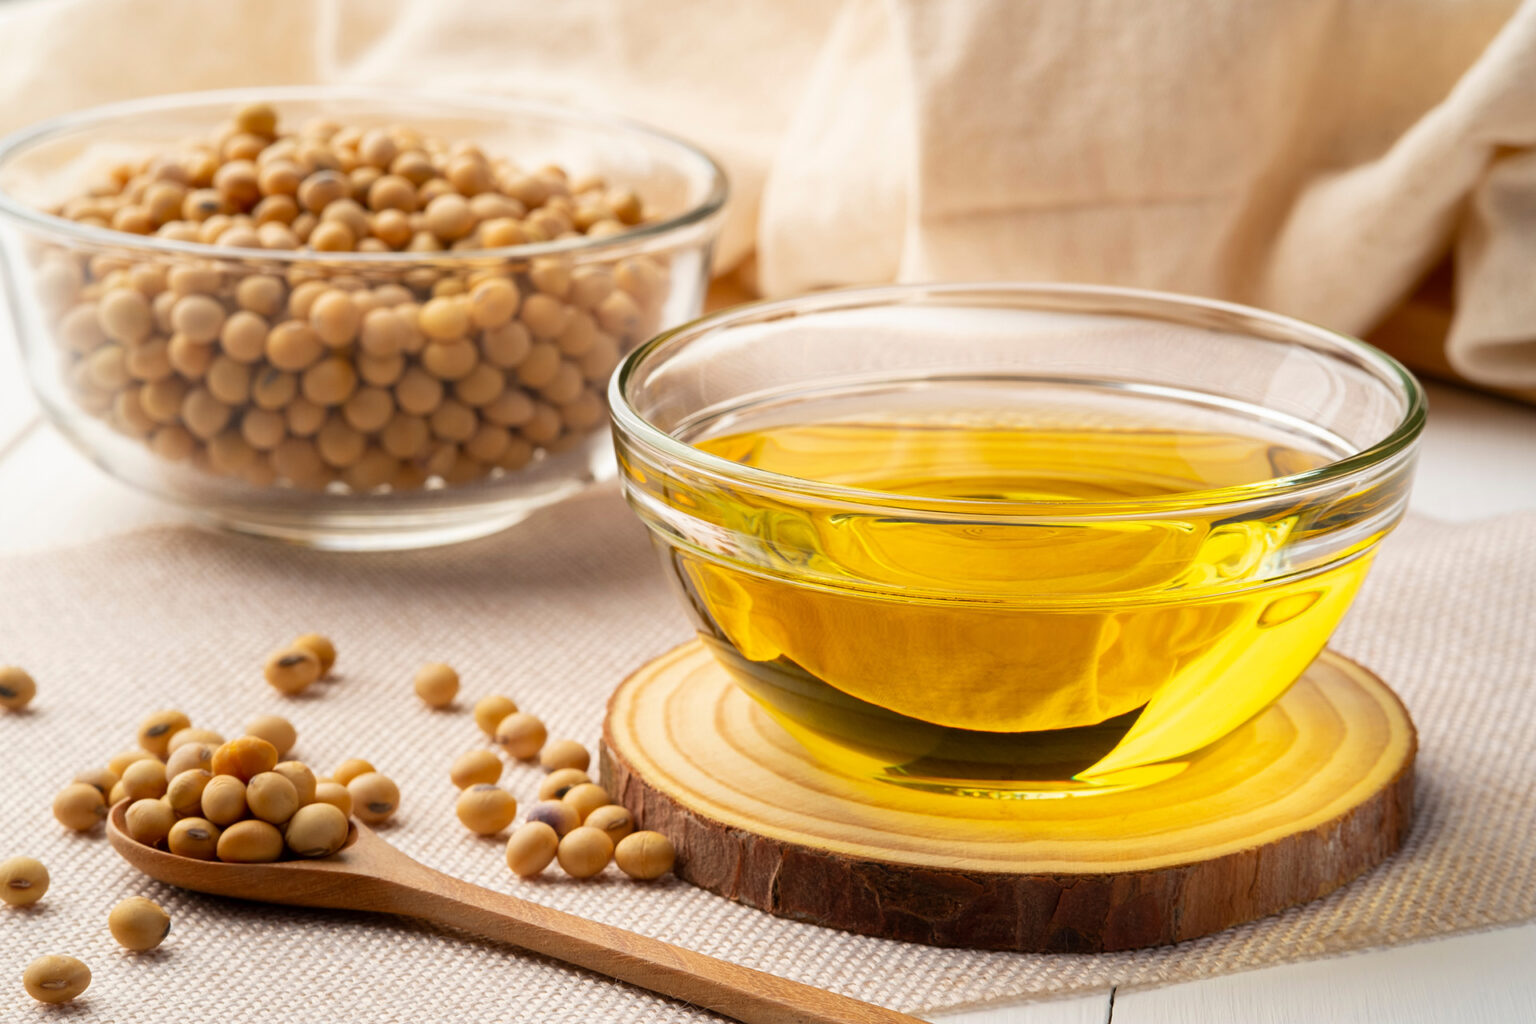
x=1312, y=793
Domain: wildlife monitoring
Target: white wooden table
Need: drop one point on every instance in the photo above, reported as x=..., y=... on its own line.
x=1479, y=459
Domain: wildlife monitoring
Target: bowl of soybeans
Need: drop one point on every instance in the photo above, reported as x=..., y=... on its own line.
x=353, y=319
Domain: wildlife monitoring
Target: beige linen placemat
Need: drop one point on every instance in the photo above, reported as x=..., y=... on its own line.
x=555, y=613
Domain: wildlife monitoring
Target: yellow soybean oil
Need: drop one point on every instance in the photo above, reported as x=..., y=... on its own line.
x=936, y=639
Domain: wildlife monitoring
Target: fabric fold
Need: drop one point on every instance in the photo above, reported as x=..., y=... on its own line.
x=1316, y=157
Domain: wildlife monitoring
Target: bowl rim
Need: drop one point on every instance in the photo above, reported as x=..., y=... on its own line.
x=1396, y=447
x=641, y=236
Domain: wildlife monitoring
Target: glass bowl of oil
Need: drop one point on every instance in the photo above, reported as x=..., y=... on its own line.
x=1013, y=541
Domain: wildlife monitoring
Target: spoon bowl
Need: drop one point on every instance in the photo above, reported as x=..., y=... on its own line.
x=299, y=883
x=369, y=874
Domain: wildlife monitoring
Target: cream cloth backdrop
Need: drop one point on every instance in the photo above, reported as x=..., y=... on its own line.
x=1317, y=157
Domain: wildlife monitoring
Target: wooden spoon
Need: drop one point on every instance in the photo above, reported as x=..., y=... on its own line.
x=369, y=874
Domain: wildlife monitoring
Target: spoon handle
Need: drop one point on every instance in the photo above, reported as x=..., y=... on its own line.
x=729, y=989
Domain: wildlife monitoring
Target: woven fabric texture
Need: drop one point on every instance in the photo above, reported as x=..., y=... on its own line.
x=554, y=613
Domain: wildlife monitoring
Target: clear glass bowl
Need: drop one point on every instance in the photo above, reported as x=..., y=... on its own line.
x=1013, y=540
x=57, y=268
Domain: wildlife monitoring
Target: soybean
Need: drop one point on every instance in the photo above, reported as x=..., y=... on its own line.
x=271, y=797
x=197, y=838
x=55, y=979
x=436, y=684
x=489, y=711
x=521, y=735
x=149, y=820
x=79, y=806
x=531, y=848
x=119, y=762
x=251, y=841
x=335, y=794
x=276, y=730
x=350, y=769
x=155, y=732
x=244, y=757
x=102, y=778
x=23, y=881
x=557, y=814
x=564, y=754
x=223, y=800
x=321, y=647
x=586, y=798
x=186, y=736
x=583, y=852
x=17, y=688
x=190, y=756
x=301, y=777
x=139, y=924
x=474, y=768
x=374, y=797
x=485, y=809
x=144, y=779
x=561, y=781
x=645, y=855
x=291, y=671
x=613, y=819
x=316, y=830
x=184, y=794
